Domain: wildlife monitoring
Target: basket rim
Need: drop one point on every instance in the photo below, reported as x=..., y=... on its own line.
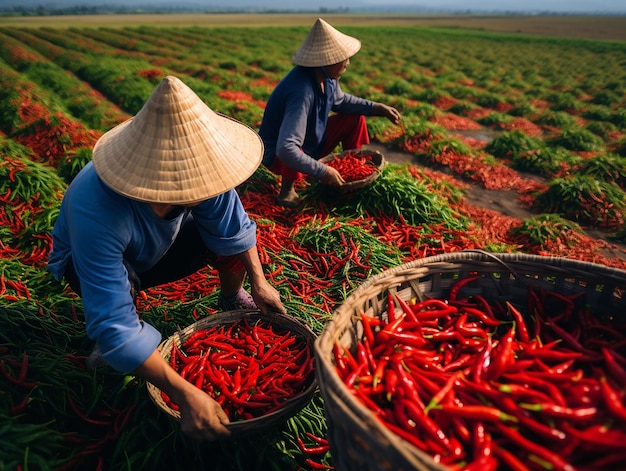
x=285, y=321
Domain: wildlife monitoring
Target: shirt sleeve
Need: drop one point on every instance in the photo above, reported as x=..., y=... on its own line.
x=224, y=224
x=350, y=104
x=98, y=244
x=292, y=134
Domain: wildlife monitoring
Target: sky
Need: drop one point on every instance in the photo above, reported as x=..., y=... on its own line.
x=554, y=6
x=560, y=6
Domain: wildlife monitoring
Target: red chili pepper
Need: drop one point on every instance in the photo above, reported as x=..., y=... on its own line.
x=612, y=399
x=613, y=367
x=557, y=463
x=482, y=361
x=406, y=435
x=503, y=355
x=406, y=309
x=315, y=465
x=521, y=328
x=456, y=287
x=367, y=328
x=391, y=310
x=317, y=450
x=552, y=410
x=482, y=413
x=443, y=392
x=511, y=461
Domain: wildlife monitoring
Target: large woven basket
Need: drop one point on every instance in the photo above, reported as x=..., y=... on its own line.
x=244, y=427
x=358, y=440
x=377, y=159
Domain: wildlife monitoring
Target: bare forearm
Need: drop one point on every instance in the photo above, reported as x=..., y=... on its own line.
x=201, y=417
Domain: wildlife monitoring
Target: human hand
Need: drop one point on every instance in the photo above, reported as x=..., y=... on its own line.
x=201, y=417
x=332, y=177
x=389, y=112
x=266, y=297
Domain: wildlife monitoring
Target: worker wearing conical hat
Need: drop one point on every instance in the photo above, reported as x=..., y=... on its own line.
x=156, y=204
x=308, y=115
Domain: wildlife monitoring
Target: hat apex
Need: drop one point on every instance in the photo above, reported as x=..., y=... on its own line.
x=324, y=46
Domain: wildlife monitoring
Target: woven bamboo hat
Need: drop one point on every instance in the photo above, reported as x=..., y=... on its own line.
x=176, y=150
x=324, y=45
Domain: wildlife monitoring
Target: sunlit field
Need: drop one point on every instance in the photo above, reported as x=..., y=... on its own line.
x=533, y=108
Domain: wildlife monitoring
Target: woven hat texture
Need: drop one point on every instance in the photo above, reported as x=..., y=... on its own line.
x=324, y=45
x=176, y=149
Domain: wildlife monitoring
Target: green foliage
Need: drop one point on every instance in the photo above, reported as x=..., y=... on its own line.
x=602, y=129
x=462, y=108
x=395, y=193
x=620, y=147
x=544, y=228
x=584, y=199
x=563, y=101
x=512, y=144
x=597, y=112
x=558, y=119
x=523, y=109
x=577, y=139
x=547, y=161
x=118, y=80
x=606, y=167
x=495, y=119
x=399, y=87
x=73, y=163
x=608, y=98
x=490, y=100
x=448, y=143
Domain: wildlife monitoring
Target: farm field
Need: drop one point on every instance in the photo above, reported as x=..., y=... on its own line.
x=536, y=118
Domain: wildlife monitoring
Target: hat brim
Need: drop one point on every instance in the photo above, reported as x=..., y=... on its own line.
x=182, y=156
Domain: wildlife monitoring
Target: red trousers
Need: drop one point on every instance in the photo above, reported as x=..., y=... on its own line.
x=349, y=130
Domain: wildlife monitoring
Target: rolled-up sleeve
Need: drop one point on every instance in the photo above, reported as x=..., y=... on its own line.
x=224, y=224
x=126, y=342
x=135, y=344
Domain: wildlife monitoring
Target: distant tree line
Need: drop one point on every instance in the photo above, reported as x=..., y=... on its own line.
x=41, y=10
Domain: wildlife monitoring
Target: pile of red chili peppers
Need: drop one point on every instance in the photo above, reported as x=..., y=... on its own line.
x=353, y=166
x=484, y=385
x=249, y=369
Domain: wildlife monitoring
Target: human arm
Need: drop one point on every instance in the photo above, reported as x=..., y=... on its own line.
x=227, y=230
x=386, y=111
x=347, y=103
x=202, y=417
x=265, y=296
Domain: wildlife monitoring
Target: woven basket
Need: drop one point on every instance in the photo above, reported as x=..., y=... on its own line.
x=350, y=187
x=358, y=440
x=244, y=427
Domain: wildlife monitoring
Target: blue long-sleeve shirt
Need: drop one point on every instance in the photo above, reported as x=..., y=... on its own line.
x=296, y=115
x=100, y=228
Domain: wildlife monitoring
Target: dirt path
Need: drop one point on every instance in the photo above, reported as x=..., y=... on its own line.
x=503, y=201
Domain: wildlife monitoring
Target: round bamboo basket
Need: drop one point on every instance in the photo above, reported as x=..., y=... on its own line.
x=358, y=440
x=288, y=408
x=377, y=159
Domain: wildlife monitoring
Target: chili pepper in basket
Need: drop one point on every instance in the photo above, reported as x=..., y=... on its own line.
x=352, y=166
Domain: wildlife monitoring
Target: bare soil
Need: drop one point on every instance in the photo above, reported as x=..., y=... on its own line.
x=506, y=202
x=604, y=27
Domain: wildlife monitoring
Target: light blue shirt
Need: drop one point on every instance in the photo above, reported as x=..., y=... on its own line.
x=100, y=228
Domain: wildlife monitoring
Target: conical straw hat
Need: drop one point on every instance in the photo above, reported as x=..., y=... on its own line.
x=324, y=45
x=176, y=150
